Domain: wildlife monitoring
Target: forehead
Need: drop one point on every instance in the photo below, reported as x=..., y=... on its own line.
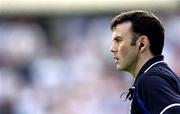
x=122, y=29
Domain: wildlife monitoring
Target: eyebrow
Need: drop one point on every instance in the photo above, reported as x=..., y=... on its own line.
x=117, y=37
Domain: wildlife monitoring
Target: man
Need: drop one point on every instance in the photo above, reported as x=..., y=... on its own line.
x=137, y=44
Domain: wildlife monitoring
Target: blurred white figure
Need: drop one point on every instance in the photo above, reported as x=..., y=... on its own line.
x=20, y=43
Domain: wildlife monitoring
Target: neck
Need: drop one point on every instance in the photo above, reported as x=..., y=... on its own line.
x=141, y=60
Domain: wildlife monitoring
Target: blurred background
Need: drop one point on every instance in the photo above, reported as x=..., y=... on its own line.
x=55, y=59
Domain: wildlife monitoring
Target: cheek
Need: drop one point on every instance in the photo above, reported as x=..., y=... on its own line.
x=123, y=51
x=126, y=52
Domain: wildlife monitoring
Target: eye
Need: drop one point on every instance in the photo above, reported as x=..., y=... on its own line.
x=117, y=40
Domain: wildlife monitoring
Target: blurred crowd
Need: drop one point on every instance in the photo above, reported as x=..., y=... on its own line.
x=62, y=65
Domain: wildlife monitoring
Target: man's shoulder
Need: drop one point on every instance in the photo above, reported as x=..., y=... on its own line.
x=159, y=77
x=160, y=72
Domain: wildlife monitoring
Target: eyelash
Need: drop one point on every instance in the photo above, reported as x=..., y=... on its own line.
x=118, y=40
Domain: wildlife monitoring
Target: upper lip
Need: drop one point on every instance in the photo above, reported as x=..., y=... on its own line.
x=115, y=58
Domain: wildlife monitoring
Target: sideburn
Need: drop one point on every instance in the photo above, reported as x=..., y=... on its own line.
x=134, y=38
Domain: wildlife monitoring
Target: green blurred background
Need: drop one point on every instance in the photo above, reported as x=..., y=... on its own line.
x=55, y=58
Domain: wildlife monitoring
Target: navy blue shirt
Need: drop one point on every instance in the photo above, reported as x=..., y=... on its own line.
x=156, y=89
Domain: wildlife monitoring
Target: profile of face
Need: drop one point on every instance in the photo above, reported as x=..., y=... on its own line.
x=124, y=53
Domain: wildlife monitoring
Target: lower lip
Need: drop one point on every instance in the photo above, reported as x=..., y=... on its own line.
x=116, y=61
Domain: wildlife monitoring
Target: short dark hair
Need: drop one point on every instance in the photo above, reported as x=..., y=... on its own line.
x=144, y=23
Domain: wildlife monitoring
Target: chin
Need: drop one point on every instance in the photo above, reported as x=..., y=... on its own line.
x=119, y=68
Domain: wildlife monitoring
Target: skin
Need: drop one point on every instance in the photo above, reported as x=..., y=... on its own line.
x=129, y=57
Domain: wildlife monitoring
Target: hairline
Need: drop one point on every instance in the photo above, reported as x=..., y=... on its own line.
x=134, y=34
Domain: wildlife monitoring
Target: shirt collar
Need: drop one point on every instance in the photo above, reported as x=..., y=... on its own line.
x=149, y=63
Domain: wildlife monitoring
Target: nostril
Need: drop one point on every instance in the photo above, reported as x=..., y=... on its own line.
x=112, y=49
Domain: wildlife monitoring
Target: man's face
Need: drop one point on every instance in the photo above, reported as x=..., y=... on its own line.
x=123, y=52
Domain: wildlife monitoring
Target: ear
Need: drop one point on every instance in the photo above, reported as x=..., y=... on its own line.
x=143, y=43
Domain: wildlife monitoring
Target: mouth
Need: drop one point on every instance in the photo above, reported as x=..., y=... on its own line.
x=116, y=60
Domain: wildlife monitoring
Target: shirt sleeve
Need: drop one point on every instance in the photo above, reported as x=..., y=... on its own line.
x=157, y=93
x=171, y=109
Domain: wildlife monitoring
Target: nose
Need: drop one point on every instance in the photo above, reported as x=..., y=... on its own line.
x=113, y=47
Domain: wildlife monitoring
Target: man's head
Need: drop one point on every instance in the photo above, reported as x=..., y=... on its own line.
x=135, y=32
x=143, y=23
